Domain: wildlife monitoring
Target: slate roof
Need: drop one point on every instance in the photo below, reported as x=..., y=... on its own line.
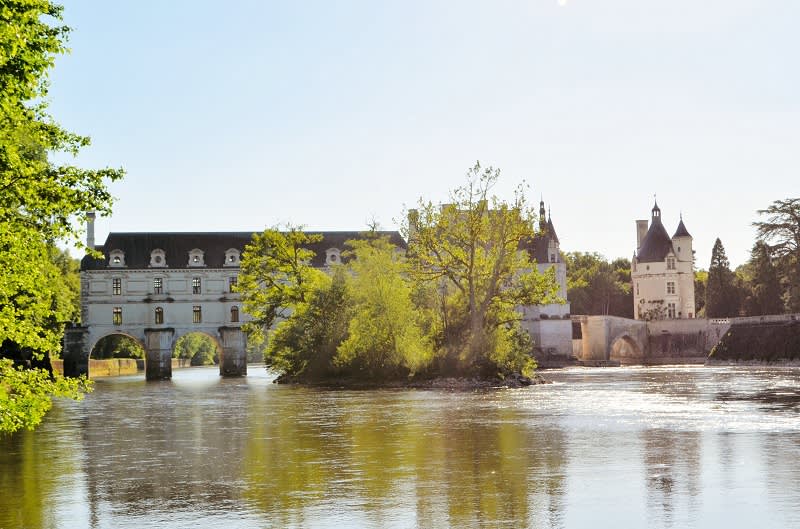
x=537, y=247
x=176, y=245
x=682, y=231
x=656, y=244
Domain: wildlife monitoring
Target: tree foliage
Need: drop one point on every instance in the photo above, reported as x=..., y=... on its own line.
x=722, y=298
x=781, y=233
x=470, y=249
x=26, y=394
x=448, y=308
x=276, y=276
x=761, y=283
x=39, y=199
x=385, y=337
x=597, y=287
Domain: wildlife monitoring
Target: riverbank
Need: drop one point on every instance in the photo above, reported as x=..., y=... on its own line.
x=447, y=383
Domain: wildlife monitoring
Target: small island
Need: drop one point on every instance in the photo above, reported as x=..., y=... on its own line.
x=439, y=311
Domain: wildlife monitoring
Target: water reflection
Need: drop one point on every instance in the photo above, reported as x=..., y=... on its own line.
x=622, y=447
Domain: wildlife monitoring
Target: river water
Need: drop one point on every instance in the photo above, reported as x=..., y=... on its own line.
x=616, y=447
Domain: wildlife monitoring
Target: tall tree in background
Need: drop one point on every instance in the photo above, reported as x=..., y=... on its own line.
x=39, y=199
x=595, y=286
x=722, y=300
x=700, y=282
x=762, y=283
x=781, y=231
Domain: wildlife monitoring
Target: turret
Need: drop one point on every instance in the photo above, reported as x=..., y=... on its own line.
x=682, y=242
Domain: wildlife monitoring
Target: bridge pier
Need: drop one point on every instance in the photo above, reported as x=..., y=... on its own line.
x=233, y=361
x=158, y=353
x=76, y=351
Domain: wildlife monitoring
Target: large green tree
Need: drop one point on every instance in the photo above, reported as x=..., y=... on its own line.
x=781, y=231
x=722, y=299
x=40, y=200
x=762, y=286
x=470, y=250
x=385, y=333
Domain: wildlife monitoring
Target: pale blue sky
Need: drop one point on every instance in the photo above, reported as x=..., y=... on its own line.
x=238, y=115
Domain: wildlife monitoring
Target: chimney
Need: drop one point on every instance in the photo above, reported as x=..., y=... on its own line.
x=90, y=229
x=641, y=231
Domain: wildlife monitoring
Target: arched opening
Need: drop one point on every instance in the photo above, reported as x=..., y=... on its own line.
x=197, y=349
x=626, y=351
x=117, y=345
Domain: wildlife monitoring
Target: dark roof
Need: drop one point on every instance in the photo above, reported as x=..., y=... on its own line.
x=656, y=244
x=551, y=230
x=682, y=231
x=176, y=245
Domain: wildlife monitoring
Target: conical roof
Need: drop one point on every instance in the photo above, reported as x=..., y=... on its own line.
x=551, y=230
x=656, y=244
x=681, y=231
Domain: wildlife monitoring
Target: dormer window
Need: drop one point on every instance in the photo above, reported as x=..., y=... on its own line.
x=332, y=256
x=196, y=257
x=232, y=257
x=158, y=258
x=116, y=258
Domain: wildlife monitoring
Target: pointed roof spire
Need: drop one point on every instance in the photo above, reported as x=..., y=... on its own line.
x=681, y=231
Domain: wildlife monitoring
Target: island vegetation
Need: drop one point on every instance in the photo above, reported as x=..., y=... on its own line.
x=444, y=307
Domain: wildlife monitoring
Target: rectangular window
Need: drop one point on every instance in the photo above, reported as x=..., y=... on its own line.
x=116, y=286
x=159, y=316
x=670, y=263
x=637, y=289
x=234, y=314
x=670, y=287
x=196, y=285
x=117, y=316
x=158, y=286
x=197, y=314
x=231, y=283
x=671, y=311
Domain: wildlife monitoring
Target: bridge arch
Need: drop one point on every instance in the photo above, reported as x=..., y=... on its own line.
x=97, y=341
x=214, y=337
x=625, y=350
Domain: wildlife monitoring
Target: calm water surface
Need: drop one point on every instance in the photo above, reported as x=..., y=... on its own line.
x=631, y=447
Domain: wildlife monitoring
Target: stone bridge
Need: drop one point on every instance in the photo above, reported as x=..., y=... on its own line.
x=611, y=340
x=158, y=344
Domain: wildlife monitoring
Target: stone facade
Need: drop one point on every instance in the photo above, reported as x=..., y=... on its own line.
x=662, y=271
x=158, y=287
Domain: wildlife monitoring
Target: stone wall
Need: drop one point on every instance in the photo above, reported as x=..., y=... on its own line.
x=683, y=341
x=112, y=367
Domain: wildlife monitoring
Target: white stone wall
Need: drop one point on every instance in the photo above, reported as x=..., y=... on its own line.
x=138, y=301
x=650, y=282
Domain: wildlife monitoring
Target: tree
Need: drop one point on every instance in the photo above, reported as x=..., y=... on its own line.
x=198, y=348
x=385, y=337
x=276, y=276
x=304, y=345
x=781, y=232
x=722, y=300
x=39, y=199
x=700, y=281
x=470, y=251
x=762, y=283
x=595, y=286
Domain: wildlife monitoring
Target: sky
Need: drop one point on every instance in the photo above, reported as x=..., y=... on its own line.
x=235, y=116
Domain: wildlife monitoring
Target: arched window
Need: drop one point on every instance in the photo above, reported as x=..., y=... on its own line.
x=158, y=258
x=159, y=315
x=196, y=257
x=234, y=314
x=116, y=258
x=231, y=257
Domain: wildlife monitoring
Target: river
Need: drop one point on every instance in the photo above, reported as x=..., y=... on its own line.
x=616, y=447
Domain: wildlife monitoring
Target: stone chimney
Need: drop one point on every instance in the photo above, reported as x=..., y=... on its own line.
x=641, y=231
x=90, y=216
